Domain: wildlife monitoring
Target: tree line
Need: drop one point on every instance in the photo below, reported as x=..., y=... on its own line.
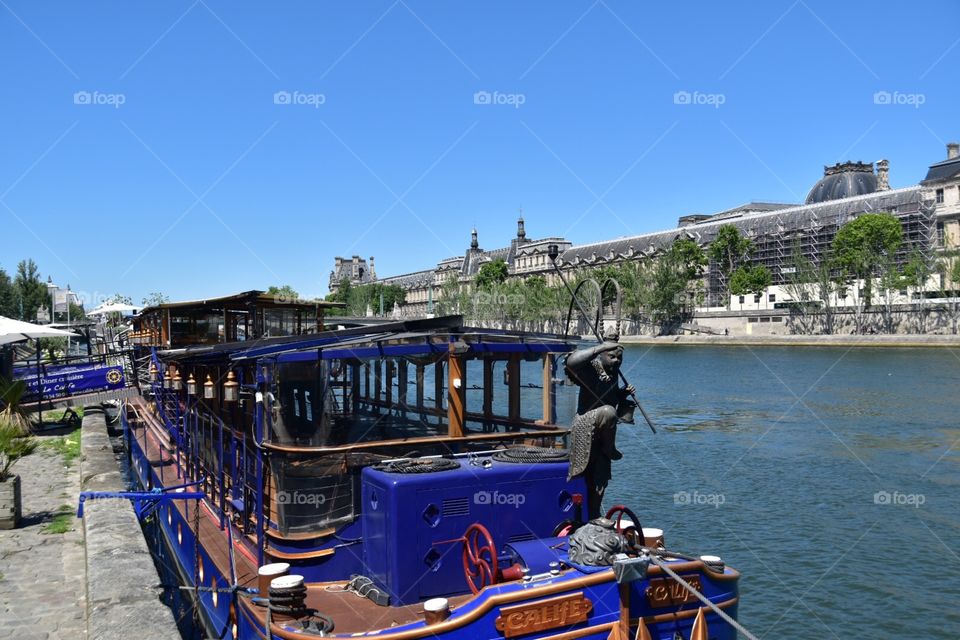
x=661, y=292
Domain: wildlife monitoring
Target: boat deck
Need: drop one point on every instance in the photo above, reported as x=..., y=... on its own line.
x=352, y=613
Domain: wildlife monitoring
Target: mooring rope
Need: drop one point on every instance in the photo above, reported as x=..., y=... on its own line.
x=702, y=598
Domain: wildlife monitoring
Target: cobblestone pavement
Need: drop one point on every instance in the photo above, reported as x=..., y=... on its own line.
x=42, y=574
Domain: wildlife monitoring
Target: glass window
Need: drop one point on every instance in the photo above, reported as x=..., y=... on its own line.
x=741, y=299
x=939, y=193
x=772, y=297
x=756, y=298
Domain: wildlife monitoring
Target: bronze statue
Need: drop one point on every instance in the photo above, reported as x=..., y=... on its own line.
x=601, y=405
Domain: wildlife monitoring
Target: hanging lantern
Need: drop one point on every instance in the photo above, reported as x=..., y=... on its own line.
x=167, y=380
x=176, y=383
x=231, y=388
x=153, y=370
x=209, y=389
x=191, y=385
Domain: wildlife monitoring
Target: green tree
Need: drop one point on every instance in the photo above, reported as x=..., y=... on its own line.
x=750, y=280
x=30, y=289
x=863, y=245
x=119, y=298
x=155, y=298
x=948, y=267
x=728, y=250
x=811, y=286
x=8, y=296
x=674, y=277
x=284, y=293
x=916, y=273
x=491, y=273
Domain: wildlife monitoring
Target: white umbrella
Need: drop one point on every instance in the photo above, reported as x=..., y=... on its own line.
x=16, y=331
x=113, y=307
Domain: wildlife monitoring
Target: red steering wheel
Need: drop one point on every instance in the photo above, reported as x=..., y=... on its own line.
x=479, y=558
x=632, y=532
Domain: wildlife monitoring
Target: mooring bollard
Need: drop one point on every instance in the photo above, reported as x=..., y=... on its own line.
x=287, y=595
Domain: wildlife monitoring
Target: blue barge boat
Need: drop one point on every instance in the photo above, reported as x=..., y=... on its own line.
x=400, y=481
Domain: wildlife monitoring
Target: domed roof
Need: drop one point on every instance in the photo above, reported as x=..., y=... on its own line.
x=844, y=180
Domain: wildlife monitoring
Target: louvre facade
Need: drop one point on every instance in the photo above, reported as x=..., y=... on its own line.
x=929, y=214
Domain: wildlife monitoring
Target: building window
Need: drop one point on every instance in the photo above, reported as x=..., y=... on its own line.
x=772, y=297
x=764, y=319
x=756, y=298
x=753, y=319
x=777, y=319
x=741, y=299
x=940, y=233
x=939, y=196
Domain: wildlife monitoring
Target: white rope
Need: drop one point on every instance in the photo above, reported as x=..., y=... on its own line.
x=702, y=598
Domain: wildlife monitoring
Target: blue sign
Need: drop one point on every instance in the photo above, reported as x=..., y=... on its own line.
x=71, y=380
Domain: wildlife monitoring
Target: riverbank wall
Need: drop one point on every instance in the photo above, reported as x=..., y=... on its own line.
x=122, y=585
x=900, y=341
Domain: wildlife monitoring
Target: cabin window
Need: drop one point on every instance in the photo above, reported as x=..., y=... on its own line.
x=314, y=492
x=298, y=413
x=742, y=299
x=279, y=322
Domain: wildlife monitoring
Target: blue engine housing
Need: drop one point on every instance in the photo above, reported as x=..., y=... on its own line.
x=412, y=523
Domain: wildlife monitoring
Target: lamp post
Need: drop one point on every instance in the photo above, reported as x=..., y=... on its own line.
x=553, y=251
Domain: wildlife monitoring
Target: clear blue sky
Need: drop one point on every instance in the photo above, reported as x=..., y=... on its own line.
x=200, y=184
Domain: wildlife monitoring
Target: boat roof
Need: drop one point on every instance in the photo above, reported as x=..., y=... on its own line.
x=254, y=296
x=406, y=337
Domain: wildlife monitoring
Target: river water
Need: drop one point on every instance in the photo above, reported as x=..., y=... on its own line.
x=825, y=475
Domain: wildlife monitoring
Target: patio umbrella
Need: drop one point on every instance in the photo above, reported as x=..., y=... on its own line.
x=16, y=331
x=113, y=307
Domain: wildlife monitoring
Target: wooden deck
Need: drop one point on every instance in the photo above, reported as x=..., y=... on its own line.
x=351, y=613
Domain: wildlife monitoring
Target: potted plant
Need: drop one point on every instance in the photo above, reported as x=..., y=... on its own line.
x=13, y=446
x=11, y=405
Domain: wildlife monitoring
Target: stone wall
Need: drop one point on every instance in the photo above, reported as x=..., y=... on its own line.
x=123, y=590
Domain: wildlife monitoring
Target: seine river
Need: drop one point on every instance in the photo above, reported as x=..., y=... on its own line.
x=825, y=475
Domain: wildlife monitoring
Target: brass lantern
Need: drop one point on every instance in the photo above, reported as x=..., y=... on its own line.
x=231, y=388
x=191, y=385
x=209, y=389
x=167, y=380
x=176, y=383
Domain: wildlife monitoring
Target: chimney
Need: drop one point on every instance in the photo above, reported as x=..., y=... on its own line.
x=953, y=150
x=883, y=175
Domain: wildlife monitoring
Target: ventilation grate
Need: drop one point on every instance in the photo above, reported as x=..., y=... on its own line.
x=456, y=507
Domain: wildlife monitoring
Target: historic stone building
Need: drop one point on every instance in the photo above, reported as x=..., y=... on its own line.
x=929, y=214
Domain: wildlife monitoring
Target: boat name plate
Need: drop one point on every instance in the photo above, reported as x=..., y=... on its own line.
x=664, y=592
x=561, y=611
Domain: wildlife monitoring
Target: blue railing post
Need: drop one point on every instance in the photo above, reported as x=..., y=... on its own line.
x=262, y=383
x=220, y=470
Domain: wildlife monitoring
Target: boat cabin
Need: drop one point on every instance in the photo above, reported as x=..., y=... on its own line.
x=240, y=317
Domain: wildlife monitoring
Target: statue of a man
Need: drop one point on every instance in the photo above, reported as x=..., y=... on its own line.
x=601, y=405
